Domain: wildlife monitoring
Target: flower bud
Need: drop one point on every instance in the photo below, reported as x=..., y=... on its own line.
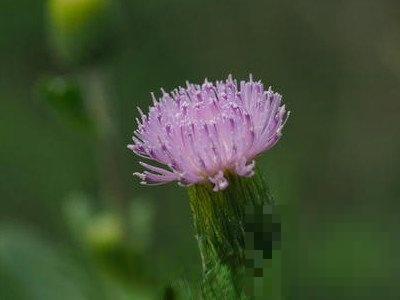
x=79, y=29
x=104, y=232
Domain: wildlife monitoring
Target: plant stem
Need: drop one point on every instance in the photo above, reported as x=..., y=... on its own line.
x=98, y=103
x=220, y=222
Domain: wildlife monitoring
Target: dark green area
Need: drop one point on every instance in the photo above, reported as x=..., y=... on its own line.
x=335, y=173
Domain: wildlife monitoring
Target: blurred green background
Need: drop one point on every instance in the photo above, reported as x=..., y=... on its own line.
x=75, y=224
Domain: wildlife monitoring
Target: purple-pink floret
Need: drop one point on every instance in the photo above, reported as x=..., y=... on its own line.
x=200, y=132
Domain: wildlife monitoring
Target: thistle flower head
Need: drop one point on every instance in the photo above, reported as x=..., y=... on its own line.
x=200, y=132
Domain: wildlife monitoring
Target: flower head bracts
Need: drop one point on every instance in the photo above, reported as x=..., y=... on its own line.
x=202, y=131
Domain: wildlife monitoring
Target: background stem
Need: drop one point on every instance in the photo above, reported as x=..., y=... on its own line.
x=98, y=102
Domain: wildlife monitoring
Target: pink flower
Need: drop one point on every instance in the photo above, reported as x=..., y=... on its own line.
x=200, y=132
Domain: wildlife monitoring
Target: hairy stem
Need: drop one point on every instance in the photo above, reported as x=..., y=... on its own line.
x=221, y=220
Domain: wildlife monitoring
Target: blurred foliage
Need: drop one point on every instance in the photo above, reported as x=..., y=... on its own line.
x=180, y=289
x=336, y=168
x=64, y=95
x=33, y=269
x=115, y=243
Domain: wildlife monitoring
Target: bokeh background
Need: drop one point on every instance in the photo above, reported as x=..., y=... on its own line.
x=75, y=224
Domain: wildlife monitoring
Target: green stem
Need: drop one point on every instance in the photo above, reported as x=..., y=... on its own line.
x=97, y=96
x=220, y=220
